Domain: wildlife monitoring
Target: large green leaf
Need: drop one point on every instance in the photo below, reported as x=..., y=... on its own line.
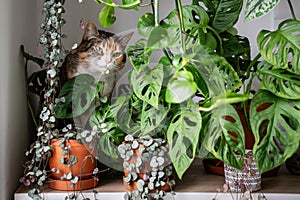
x=225, y=14
x=152, y=118
x=122, y=112
x=76, y=96
x=146, y=24
x=199, y=80
x=275, y=123
x=183, y=136
x=195, y=22
x=281, y=48
x=180, y=87
x=147, y=84
x=224, y=136
x=258, y=8
x=280, y=82
x=161, y=37
x=219, y=75
x=193, y=17
x=107, y=16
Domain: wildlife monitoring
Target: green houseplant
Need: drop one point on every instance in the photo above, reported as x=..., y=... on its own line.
x=210, y=63
x=161, y=101
x=45, y=84
x=182, y=98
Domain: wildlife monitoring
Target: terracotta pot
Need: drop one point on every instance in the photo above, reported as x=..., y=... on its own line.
x=64, y=185
x=214, y=166
x=83, y=168
x=143, y=170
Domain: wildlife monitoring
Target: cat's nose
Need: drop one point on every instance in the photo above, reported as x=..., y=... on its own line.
x=107, y=60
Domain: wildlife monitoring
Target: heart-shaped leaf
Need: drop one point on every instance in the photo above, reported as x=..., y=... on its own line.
x=180, y=87
x=107, y=16
x=146, y=24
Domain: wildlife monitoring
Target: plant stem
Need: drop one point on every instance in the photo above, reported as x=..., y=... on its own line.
x=248, y=74
x=219, y=38
x=27, y=95
x=126, y=6
x=181, y=23
x=292, y=9
x=156, y=13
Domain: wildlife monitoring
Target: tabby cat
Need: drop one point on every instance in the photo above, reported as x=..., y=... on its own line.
x=100, y=54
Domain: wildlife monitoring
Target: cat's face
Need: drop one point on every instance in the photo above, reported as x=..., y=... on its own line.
x=101, y=53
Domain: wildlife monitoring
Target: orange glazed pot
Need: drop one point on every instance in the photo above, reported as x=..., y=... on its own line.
x=83, y=168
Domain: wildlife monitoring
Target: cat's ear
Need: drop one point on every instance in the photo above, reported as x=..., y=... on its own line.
x=124, y=39
x=90, y=31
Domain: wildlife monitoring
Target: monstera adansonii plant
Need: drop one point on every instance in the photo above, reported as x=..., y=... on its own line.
x=277, y=128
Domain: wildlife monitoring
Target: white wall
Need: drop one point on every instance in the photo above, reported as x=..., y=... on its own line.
x=18, y=26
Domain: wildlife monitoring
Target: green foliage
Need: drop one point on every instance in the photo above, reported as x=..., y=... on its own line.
x=224, y=136
x=183, y=137
x=258, y=8
x=76, y=96
x=147, y=84
x=281, y=48
x=205, y=57
x=107, y=16
x=181, y=87
x=225, y=14
x=275, y=123
x=280, y=82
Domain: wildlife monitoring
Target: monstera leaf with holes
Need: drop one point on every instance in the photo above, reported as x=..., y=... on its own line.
x=281, y=48
x=147, y=84
x=183, y=137
x=224, y=135
x=280, y=82
x=76, y=96
x=275, y=123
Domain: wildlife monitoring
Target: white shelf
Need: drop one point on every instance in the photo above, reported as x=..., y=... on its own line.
x=195, y=185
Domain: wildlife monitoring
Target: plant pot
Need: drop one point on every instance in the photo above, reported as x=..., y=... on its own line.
x=213, y=166
x=292, y=164
x=248, y=178
x=83, y=169
x=144, y=171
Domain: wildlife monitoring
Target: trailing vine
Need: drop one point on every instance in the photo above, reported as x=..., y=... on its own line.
x=35, y=173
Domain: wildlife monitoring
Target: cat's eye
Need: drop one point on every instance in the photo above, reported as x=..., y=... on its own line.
x=98, y=49
x=117, y=54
